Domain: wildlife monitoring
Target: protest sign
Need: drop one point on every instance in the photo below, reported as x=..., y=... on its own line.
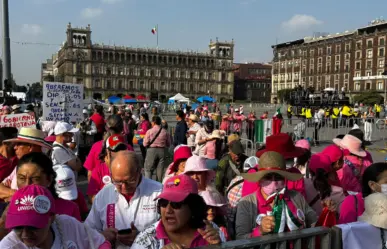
x=62, y=102
x=18, y=120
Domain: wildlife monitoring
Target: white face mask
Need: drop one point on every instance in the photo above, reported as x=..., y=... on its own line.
x=383, y=188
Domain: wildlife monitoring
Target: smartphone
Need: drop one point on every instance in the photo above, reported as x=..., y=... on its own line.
x=125, y=231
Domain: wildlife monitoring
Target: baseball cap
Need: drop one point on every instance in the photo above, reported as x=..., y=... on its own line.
x=177, y=188
x=114, y=141
x=65, y=185
x=30, y=206
x=63, y=127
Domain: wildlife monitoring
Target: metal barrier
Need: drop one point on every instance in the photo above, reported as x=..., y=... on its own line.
x=300, y=239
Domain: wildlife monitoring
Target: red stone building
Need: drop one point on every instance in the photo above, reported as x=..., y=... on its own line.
x=252, y=82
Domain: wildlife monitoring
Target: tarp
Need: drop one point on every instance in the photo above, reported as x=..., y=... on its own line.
x=179, y=97
x=130, y=101
x=114, y=99
x=205, y=99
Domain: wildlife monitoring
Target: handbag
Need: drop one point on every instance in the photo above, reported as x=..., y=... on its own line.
x=327, y=218
x=151, y=142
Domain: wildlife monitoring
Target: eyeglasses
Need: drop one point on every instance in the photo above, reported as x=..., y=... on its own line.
x=175, y=205
x=127, y=182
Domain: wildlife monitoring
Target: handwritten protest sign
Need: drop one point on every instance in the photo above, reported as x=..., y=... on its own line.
x=18, y=120
x=62, y=102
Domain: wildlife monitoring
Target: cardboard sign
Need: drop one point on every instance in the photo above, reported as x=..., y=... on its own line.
x=62, y=102
x=18, y=120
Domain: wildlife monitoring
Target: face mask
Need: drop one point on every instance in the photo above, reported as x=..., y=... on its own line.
x=289, y=163
x=270, y=187
x=383, y=188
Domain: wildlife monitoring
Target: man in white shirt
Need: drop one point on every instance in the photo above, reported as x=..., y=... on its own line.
x=126, y=206
x=61, y=154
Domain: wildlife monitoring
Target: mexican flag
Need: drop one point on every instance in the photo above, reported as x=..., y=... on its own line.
x=262, y=129
x=154, y=30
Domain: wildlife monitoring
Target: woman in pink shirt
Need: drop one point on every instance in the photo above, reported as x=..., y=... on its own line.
x=182, y=213
x=324, y=187
x=143, y=127
x=37, y=168
x=374, y=180
x=354, y=163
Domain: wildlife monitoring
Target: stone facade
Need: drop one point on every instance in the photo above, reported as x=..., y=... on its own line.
x=112, y=70
x=352, y=59
x=252, y=82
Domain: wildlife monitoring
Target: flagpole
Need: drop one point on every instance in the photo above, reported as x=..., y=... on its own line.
x=157, y=37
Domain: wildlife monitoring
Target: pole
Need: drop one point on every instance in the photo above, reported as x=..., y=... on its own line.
x=157, y=37
x=6, y=46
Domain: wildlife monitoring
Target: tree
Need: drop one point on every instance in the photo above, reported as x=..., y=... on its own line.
x=284, y=95
x=369, y=98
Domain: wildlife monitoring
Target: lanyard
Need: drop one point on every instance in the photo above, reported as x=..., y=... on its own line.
x=383, y=238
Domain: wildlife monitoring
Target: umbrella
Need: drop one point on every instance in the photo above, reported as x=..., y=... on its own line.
x=127, y=97
x=114, y=99
x=205, y=99
x=130, y=101
x=141, y=97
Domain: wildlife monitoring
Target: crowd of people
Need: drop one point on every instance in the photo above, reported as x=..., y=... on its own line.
x=210, y=193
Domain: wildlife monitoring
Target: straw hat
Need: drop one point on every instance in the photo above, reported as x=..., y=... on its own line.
x=351, y=143
x=216, y=134
x=193, y=117
x=375, y=212
x=30, y=136
x=271, y=162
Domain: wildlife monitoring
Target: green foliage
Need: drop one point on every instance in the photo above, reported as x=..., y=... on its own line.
x=369, y=98
x=284, y=95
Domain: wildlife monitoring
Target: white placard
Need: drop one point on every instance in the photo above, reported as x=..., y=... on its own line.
x=18, y=120
x=62, y=102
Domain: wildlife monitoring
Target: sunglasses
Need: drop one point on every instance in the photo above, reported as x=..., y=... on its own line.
x=20, y=228
x=175, y=205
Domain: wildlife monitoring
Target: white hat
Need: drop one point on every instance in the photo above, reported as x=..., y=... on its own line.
x=250, y=162
x=63, y=127
x=65, y=185
x=375, y=212
x=84, y=111
x=15, y=107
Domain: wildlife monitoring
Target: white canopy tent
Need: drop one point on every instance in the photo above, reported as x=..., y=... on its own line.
x=179, y=98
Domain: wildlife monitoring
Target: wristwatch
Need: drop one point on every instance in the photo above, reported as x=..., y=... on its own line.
x=259, y=219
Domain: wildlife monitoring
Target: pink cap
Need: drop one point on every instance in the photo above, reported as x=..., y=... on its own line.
x=320, y=161
x=333, y=152
x=183, y=152
x=177, y=188
x=50, y=139
x=30, y=206
x=303, y=143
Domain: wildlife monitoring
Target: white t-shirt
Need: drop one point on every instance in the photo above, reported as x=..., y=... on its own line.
x=61, y=154
x=110, y=209
x=74, y=236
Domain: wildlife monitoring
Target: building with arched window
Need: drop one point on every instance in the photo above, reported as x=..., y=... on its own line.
x=109, y=70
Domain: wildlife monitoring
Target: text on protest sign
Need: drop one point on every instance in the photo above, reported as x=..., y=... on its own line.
x=62, y=102
x=18, y=120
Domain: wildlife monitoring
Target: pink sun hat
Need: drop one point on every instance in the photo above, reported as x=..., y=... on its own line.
x=198, y=164
x=177, y=188
x=30, y=206
x=351, y=143
x=303, y=143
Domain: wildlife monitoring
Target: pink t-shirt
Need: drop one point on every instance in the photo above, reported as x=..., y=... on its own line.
x=350, y=174
x=92, y=159
x=96, y=180
x=348, y=208
x=210, y=149
x=68, y=208
x=198, y=240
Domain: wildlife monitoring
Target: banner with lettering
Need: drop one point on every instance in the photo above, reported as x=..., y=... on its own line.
x=18, y=120
x=62, y=102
